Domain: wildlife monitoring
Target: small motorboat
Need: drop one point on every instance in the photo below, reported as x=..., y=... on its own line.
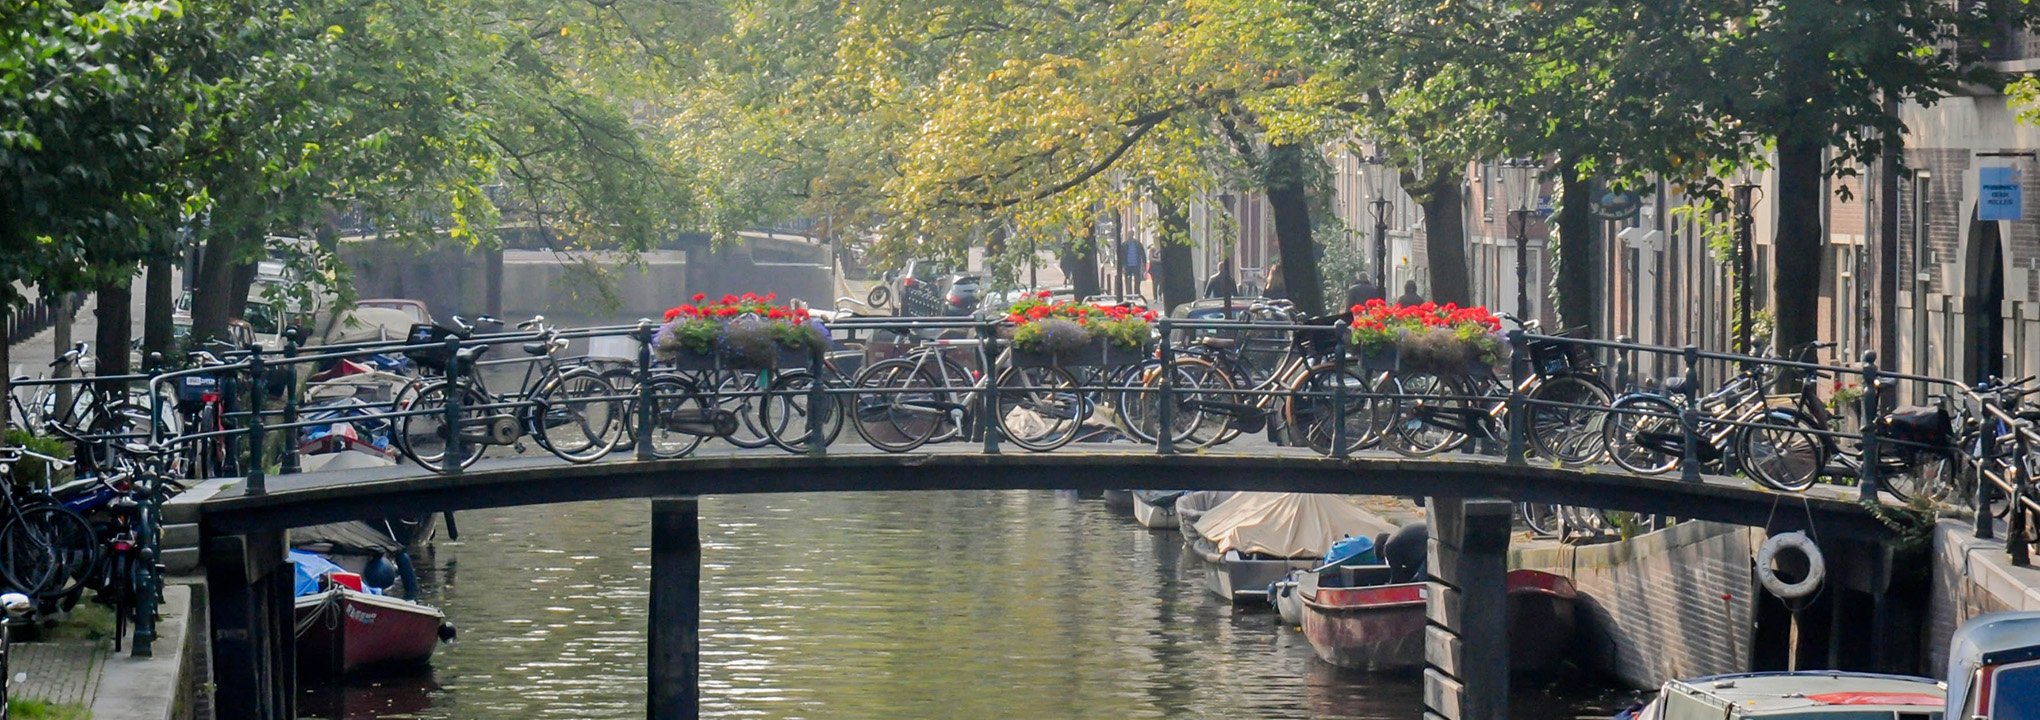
x=1119, y=500
x=1156, y=508
x=1282, y=594
x=1254, y=539
x=345, y=627
x=1193, y=505
x=1994, y=667
x=1816, y=695
x=1356, y=617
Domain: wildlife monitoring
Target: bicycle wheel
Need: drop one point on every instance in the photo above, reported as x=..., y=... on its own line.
x=738, y=392
x=1425, y=401
x=899, y=405
x=1542, y=518
x=423, y=437
x=677, y=406
x=1316, y=415
x=1636, y=432
x=1781, y=451
x=1565, y=415
x=784, y=412
x=1041, y=408
x=48, y=551
x=1201, y=388
x=1932, y=475
x=577, y=416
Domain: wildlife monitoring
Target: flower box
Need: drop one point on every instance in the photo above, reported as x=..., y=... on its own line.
x=747, y=333
x=1377, y=359
x=1096, y=352
x=686, y=360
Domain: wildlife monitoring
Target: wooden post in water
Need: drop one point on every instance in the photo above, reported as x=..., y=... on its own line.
x=250, y=610
x=1466, y=649
x=674, y=665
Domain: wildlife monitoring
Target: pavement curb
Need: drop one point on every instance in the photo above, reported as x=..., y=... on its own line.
x=151, y=688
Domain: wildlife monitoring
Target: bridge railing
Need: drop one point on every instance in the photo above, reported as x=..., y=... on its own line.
x=1170, y=397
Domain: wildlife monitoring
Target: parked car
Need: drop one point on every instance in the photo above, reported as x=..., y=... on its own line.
x=414, y=308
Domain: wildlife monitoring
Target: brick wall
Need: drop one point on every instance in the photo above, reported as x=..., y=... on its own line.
x=1971, y=577
x=1680, y=602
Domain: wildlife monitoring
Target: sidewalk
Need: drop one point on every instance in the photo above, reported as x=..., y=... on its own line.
x=75, y=673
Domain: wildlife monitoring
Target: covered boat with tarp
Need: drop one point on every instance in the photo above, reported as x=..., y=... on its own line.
x=1194, y=504
x=1255, y=538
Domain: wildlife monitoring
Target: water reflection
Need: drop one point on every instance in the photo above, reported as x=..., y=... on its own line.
x=872, y=605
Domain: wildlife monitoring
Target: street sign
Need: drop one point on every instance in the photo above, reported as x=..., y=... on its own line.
x=2000, y=197
x=1544, y=207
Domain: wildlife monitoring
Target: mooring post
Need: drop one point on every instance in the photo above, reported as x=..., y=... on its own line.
x=1689, y=419
x=673, y=669
x=1165, y=405
x=249, y=608
x=1466, y=648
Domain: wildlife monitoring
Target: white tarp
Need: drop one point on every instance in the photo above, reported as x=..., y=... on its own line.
x=1287, y=525
x=366, y=324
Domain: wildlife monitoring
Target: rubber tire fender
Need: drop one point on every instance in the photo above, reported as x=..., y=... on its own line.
x=1816, y=567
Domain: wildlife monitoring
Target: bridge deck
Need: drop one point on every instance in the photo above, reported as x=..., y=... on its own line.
x=294, y=500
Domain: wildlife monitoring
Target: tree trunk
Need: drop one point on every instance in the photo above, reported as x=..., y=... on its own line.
x=1576, y=292
x=1178, y=285
x=211, y=300
x=1080, y=263
x=158, y=326
x=243, y=281
x=1796, y=250
x=1287, y=200
x=6, y=364
x=116, y=330
x=1444, y=235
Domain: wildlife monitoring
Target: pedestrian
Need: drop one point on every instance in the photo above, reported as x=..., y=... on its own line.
x=1154, y=272
x=1409, y=294
x=1406, y=552
x=1277, y=289
x=1220, y=284
x=1364, y=290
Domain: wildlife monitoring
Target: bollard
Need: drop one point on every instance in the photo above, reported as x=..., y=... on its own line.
x=643, y=434
x=290, y=400
x=1345, y=331
x=1986, y=450
x=1165, y=407
x=817, y=403
x=258, y=372
x=1519, y=408
x=1872, y=454
x=988, y=401
x=450, y=463
x=1689, y=419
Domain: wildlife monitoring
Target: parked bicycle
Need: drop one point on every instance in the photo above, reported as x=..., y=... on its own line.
x=569, y=411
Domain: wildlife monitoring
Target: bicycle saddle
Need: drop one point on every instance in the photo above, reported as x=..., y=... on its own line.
x=470, y=354
x=1218, y=343
x=538, y=347
x=1675, y=385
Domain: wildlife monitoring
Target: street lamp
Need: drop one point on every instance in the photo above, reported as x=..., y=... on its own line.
x=1519, y=185
x=1745, y=189
x=1377, y=178
x=1225, y=256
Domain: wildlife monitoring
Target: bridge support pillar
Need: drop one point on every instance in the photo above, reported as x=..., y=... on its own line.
x=674, y=666
x=1466, y=652
x=251, y=609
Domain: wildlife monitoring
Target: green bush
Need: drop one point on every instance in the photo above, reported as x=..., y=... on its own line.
x=34, y=471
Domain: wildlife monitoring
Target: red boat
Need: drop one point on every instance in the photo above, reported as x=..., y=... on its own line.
x=1381, y=627
x=342, y=631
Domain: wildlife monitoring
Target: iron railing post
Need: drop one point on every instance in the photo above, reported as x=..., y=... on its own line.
x=1519, y=366
x=148, y=592
x=156, y=414
x=1689, y=419
x=1623, y=381
x=988, y=402
x=1165, y=405
x=258, y=385
x=290, y=401
x=642, y=437
x=1873, y=455
x=1344, y=330
x=817, y=403
x=1986, y=449
x=455, y=450
x=2015, y=533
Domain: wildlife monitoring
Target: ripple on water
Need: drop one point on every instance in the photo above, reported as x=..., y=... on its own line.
x=894, y=606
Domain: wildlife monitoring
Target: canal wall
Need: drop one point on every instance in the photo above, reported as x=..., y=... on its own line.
x=1679, y=602
x=1971, y=577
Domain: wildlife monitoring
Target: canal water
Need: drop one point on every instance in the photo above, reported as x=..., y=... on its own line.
x=893, y=606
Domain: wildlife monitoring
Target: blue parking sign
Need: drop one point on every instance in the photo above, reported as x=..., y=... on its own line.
x=1998, y=194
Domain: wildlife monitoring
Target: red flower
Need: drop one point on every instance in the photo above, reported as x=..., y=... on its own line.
x=728, y=299
x=672, y=313
x=771, y=296
x=1043, y=293
x=698, y=297
x=776, y=314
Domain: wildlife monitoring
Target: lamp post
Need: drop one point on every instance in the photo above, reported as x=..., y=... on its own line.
x=1744, y=189
x=1519, y=185
x=1376, y=167
x=1225, y=258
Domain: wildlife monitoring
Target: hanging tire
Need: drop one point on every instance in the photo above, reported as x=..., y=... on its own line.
x=1816, y=566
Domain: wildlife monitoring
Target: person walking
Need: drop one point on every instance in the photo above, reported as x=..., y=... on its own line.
x=1277, y=288
x=1409, y=294
x=1364, y=290
x=1220, y=284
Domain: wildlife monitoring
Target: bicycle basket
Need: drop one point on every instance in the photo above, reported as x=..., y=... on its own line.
x=432, y=358
x=1322, y=343
x=1915, y=424
x=1551, y=357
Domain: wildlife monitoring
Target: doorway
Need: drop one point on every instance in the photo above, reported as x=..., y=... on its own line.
x=1984, y=302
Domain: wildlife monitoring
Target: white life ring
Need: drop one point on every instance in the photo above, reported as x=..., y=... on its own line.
x=1816, y=568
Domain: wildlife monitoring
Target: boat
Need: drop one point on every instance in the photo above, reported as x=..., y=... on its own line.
x=1253, y=539
x=1156, y=508
x=1119, y=500
x=1288, y=604
x=1994, y=667
x=1814, y=695
x=1355, y=617
x=1193, y=505
x=344, y=627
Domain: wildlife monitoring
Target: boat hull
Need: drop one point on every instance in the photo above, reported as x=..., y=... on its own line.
x=344, y=632
x=1381, y=628
x=1244, y=580
x=1119, y=499
x=1153, y=516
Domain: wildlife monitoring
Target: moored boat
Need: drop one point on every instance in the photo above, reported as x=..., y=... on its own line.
x=1253, y=539
x=1994, y=667
x=1119, y=499
x=344, y=627
x=1354, y=617
x=1193, y=505
x=1156, y=508
x=1816, y=695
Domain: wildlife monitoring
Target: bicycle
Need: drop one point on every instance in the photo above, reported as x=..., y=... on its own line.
x=570, y=411
x=902, y=403
x=1563, y=392
x=46, y=549
x=1739, y=428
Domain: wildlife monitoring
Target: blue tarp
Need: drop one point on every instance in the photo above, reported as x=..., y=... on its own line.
x=1353, y=551
x=311, y=567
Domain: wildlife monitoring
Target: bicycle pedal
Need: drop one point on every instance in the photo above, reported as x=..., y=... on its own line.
x=519, y=447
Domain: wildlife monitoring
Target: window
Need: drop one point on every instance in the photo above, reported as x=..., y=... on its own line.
x=2015, y=693
x=1487, y=191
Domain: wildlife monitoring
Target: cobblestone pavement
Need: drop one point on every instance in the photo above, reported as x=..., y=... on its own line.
x=61, y=671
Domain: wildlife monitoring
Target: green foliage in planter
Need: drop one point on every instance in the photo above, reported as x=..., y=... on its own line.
x=34, y=471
